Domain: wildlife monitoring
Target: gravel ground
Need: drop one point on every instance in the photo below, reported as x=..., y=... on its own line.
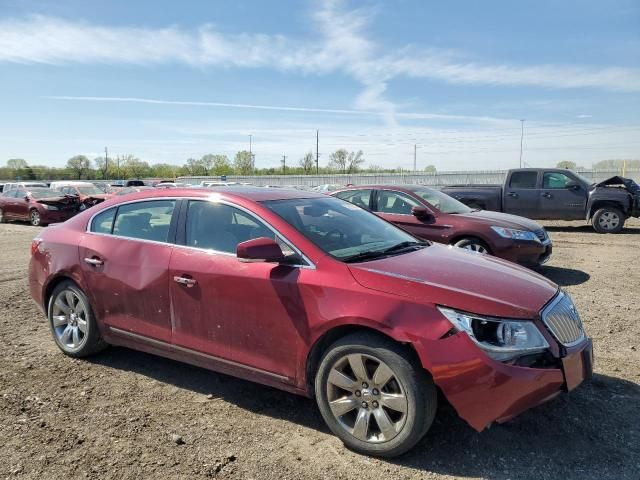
x=124, y=414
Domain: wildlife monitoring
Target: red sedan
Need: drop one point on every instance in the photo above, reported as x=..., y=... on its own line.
x=39, y=206
x=313, y=295
x=435, y=216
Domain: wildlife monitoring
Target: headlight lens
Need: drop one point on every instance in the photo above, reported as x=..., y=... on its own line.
x=51, y=207
x=501, y=339
x=515, y=234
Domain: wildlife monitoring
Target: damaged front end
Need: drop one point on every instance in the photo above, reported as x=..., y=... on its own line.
x=67, y=204
x=621, y=185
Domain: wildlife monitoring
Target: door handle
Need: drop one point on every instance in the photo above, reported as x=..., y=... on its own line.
x=546, y=195
x=189, y=282
x=513, y=194
x=96, y=262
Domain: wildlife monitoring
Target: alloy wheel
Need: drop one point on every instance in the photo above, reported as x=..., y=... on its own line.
x=69, y=320
x=609, y=220
x=1, y=216
x=35, y=218
x=366, y=398
x=475, y=247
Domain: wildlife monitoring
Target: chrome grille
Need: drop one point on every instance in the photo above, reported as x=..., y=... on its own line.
x=541, y=234
x=562, y=319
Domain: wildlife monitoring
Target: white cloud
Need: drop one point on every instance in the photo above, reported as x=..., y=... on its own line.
x=341, y=46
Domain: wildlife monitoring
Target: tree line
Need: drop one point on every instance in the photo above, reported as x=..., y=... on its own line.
x=81, y=167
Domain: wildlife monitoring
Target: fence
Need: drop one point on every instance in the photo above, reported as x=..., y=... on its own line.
x=438, y=179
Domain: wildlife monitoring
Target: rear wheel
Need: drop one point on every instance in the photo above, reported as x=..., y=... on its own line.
x=473, y=244
x=72, y=322
x=608, y=220
x=34, y=218
x=2, y=219
x=373, y=396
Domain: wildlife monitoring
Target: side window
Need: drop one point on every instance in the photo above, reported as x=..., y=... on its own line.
x=103, y=222
x=145, y=220
x=220, y=227
x=357, y=197
x=523, y=180
x=555, y=180
x=395, y=202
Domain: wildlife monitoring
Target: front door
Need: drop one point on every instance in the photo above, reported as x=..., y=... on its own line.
x=247, y=313
x=395, y=207
x=562, y=197
x=521, y=194
x=125, y=260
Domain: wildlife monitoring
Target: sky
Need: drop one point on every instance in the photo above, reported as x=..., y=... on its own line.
x=447, y=81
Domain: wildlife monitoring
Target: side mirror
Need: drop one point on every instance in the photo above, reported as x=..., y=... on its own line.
x=573, y=186
x=422, y=213
x=26, y=198
x=260, y=250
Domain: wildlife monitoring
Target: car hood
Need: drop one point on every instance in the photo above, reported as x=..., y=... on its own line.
x=628, y=184
x=58, y=201
x=498, y=219
x=459, y=279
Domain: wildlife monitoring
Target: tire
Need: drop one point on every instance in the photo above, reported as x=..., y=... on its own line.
x=72, y=322
x=473, y=244
x=2, y=219
x=608, y=220
x=357, y=408
x=34, y=218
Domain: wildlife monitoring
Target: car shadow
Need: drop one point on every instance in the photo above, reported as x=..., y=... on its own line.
x=589, y=229
x=564, y=434
x=564, y=277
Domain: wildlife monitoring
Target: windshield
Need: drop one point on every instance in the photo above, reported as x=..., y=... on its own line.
x=344, y=231
x=585, y=180
x=90, y=190
x=441, y=201
x=44, y=193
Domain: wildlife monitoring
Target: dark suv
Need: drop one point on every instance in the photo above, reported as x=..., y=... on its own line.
x=435, y=216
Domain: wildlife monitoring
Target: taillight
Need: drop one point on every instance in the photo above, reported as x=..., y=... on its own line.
x=35, y=243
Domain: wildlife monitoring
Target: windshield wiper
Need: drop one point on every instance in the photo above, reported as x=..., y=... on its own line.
x=405, y=246
x=373, y=254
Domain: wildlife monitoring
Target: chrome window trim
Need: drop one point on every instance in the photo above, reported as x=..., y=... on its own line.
x=173, y=346
x=310, y=265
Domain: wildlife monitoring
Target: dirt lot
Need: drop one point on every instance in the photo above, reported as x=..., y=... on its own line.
x=113, y=416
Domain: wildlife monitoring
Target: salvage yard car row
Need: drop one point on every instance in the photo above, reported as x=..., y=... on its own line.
x=319, y=297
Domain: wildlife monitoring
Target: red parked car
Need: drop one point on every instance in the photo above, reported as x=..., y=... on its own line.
x=39, y=206
x=88, y=194
x=313, y=295
x=435, y=216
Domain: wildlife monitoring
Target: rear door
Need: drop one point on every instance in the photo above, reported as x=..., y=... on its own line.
x=9, y=204
x=250, y=314
x=125, y=260
x=562, y=197
x=521, y=194
x=21, y=204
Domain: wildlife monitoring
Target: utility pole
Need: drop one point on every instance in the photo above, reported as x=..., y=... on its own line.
x=415, y=156
x=521, y=140
x=253, y=166
x=317, y=154
x=106, y=164
x=284, y=164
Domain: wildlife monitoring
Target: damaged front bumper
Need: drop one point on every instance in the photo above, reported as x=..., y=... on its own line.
x=483, y=390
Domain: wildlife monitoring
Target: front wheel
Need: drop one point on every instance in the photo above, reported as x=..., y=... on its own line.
x=373, y=396
x=608, y=220
x=34, y=218
x=473, y=244
x=72, y=322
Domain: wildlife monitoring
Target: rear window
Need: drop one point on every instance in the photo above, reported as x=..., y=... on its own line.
x=103, y=222
x=523, y=180
x=145, y=220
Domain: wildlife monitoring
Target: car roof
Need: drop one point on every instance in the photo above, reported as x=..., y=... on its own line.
x=256, y=194
x=406, y=187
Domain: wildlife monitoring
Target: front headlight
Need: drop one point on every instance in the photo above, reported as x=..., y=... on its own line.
x=515, y=234
x=51, y=207
x=501, y=339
